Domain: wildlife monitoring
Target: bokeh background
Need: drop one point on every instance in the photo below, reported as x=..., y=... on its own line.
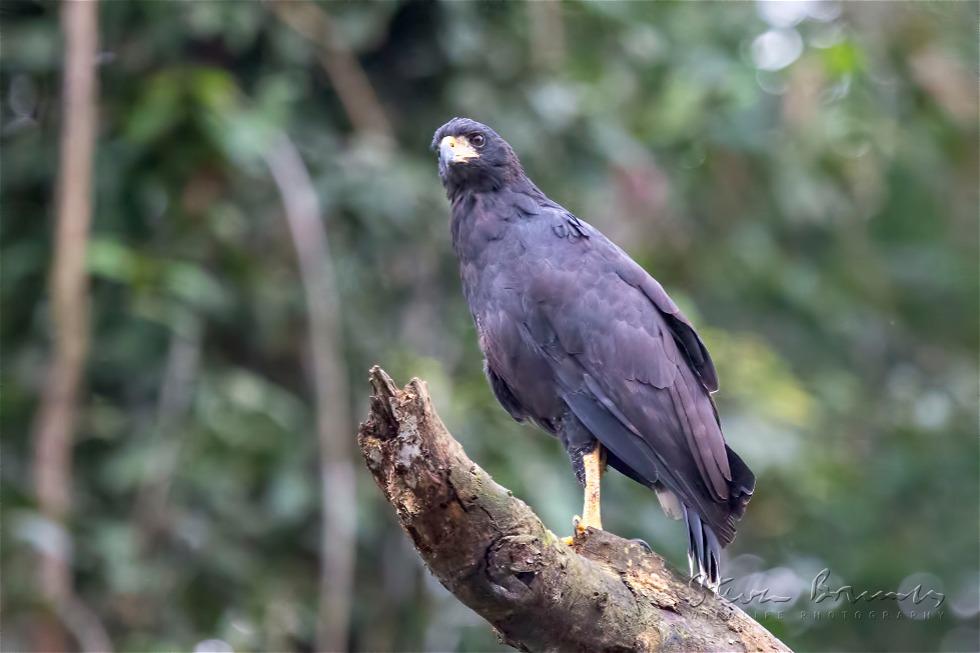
x=802, y=177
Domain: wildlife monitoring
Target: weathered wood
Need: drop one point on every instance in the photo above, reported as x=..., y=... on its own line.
x=488, y=548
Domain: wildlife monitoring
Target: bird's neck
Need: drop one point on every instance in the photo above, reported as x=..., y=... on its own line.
x=463, y=194
x=483, y=222
x=475, y=221
x=479, y=218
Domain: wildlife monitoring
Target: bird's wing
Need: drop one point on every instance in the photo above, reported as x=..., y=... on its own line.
x=633, y=370
x=680, y=327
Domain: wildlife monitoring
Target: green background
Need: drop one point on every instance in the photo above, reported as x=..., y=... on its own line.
x=801, y=178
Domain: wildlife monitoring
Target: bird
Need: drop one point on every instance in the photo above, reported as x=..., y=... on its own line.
x=580, y=340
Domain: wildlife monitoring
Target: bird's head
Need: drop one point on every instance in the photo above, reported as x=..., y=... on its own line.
x=474, y=157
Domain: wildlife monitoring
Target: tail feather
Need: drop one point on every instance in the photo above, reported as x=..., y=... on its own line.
x=704, y=547
x=703, y=551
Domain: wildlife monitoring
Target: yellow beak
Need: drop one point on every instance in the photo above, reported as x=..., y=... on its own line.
x=456, y=149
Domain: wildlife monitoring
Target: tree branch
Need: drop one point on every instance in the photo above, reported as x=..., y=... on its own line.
x=57, y=410
x=489, y=549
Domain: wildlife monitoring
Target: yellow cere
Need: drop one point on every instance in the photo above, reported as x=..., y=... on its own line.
x=461, y=148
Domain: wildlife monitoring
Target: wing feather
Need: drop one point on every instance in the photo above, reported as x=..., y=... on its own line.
x=634, y=371
x=680, y=327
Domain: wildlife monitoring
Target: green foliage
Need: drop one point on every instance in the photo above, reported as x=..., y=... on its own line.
x=817, y=219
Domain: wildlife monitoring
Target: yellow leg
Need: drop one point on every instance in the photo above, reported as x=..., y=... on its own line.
x=595, y=465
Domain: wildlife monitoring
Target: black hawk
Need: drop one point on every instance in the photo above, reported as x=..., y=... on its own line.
x=582, y=341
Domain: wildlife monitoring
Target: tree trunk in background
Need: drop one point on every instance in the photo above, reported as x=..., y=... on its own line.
x=347, y=77
x=488, y=548
x=338, y=502
x=57, y=411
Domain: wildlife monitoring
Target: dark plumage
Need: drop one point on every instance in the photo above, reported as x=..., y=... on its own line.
x=579, y=339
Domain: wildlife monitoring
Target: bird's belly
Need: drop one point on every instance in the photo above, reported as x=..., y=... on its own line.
x=534, y=387
x=525, y=371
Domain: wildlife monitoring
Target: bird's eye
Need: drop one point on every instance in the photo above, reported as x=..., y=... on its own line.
x=478, y=140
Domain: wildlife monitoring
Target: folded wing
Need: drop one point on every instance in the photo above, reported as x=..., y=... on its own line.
x=633, y=370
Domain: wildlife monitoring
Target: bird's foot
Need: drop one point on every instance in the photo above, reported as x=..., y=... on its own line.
x=590, y=521
x=579, y=531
